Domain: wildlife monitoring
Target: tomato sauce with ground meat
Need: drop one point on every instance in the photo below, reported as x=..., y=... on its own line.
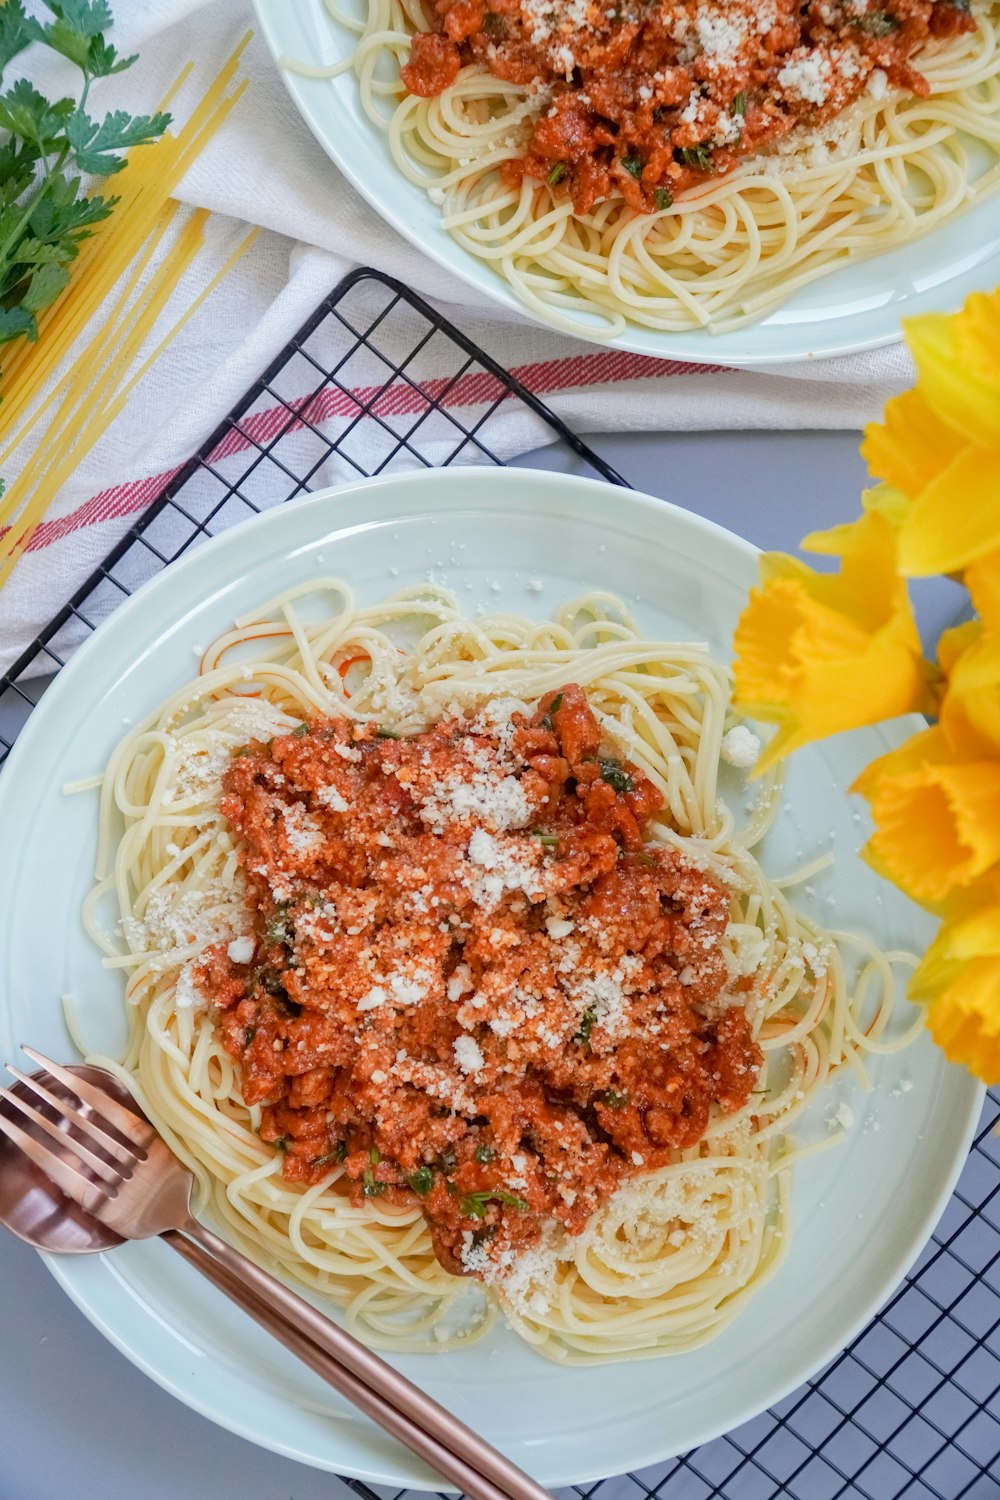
x=476, y=982
x=645, y=101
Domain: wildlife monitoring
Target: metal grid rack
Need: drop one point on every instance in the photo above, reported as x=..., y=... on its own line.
x=911, y=1410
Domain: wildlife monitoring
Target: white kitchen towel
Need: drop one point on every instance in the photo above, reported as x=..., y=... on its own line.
x=264, y=168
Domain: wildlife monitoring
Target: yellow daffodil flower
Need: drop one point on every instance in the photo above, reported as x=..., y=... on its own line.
x=937, y=819
x=818, y=653
x=965, y=1018
x=959, y=979
x=939, y=444
x=970, y=706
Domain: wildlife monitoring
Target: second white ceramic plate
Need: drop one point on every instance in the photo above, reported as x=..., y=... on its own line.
x=862, y=1211
x=857, y=307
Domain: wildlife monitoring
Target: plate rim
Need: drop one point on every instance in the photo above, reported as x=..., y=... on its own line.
x=49, y=707
x=634, y=338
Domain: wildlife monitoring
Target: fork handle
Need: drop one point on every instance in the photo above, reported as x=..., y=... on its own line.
x=374, y=1386
x=395, y=1422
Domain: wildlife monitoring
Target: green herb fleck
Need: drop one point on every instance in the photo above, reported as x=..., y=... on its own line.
x=615, y=774
x=547, y=840
x=249, y=1035
x=243, y=750
x=696, y=156
x=421, y=1181
x=387, y=734
x=586, y=1026
x=663, y=198
x=372, y=1189
x=279, y=927
x=739, y=104
x=556, y=703
x=374, y=1156
x=474, y=1205
x=484, y=1154
x=300, y=730
x=336, y=1154
x=633, y=165
x=557, y=173
x=877, y=23
x=613, y=1100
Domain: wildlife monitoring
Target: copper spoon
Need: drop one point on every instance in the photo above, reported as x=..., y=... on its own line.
x=39, y=1213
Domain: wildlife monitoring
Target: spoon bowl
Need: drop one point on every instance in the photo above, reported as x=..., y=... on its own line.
x=31, y=1206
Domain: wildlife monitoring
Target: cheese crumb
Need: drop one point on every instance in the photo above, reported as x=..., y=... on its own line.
x=740, y=747
x=467, y=1054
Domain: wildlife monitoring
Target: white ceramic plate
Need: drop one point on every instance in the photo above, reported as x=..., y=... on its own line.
x=859, y=307
x=862, y=1211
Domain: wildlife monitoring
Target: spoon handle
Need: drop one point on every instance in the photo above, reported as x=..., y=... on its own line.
x=402, y=1422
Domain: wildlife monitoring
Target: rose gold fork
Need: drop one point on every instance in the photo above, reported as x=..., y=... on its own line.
x=114, y=1165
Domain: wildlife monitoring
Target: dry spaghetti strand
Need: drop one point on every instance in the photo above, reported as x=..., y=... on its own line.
x=114, y=286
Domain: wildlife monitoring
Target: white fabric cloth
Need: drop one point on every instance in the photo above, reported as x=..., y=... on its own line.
x=265, y=169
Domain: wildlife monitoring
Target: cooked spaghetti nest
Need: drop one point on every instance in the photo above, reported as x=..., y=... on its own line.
x=883, y=173
x=676, y=1252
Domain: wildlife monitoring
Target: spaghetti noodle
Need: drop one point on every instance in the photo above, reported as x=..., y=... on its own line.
x=313, y=679
x=706, y=193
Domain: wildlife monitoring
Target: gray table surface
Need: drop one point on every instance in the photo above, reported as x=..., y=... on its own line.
x=76, y=1419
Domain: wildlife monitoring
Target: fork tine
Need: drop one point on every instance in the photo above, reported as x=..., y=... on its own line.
x=82, y=1191
x=90, y=1125
x=132, y=1126
x=82, y=1152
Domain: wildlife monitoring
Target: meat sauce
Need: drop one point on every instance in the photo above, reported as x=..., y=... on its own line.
x=475, y=982
x=646, y=101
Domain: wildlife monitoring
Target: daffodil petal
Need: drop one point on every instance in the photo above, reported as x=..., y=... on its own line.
x=963, y=398
x=868, y=586
x=819, y=653
x=911, y=444
x=970, y=709
x=964, y=1019
x=937, y=827
x=982, y=579
x=977, y=335
x=956, y=518
x=929, y=747
x=782, y=630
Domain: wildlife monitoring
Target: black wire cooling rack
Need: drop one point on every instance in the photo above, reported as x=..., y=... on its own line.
x=911, y=1410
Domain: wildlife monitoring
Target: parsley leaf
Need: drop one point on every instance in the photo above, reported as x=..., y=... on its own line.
x=15, y=31
x=474, y=1205
x=372, y=1189
x=95, y=145
x=615, y=774
x=421, y=1181
x=697, y=156
x=44, y=213
x=877, y=23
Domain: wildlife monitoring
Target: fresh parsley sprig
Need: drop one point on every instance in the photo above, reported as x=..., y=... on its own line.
x=44, y=214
